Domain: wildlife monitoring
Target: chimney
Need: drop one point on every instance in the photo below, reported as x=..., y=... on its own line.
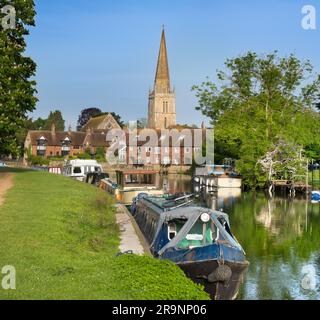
x=53, y=128
x=203, y=126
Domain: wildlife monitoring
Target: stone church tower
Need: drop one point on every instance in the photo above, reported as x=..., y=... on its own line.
x=162, y=100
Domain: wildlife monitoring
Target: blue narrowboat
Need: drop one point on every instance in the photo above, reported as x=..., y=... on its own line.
x=199, y=240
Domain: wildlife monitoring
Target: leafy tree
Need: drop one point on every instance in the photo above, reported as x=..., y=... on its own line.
x=142, y=123
x=56, y=118
x=86, y=115
x=16, y=89
x=39, y=124
x=259, y=101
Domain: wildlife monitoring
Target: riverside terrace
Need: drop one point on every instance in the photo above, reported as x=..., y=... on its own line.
x=140, y=146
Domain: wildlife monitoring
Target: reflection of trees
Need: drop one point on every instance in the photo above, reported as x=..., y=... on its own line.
x=282, y=218
x=279, y=237
x=271, y=227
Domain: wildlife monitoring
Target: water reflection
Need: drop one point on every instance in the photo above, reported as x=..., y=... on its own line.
x=281, y=237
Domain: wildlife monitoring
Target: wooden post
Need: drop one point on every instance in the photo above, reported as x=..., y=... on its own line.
x=312, y=172
x=307, y=178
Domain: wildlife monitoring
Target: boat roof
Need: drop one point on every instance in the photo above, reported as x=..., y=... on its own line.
x=137, y=171
x=179, y=209
x=80, y=162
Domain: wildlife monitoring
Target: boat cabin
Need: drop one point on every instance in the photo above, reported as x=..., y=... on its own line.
x=179, y=224
x=136, y=178
x=78, y=169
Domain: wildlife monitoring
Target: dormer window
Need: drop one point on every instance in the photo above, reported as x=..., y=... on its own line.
x=41, y=146
x=65, y=146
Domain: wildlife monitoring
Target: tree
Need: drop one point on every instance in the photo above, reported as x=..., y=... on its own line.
x=260, y=101
x=284, y=161
x=55, y=118
x=16, y=89
x=86, y=115
x=142, y=123
x=39, y=124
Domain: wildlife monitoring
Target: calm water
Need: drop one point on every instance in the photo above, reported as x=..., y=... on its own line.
x=281, y=237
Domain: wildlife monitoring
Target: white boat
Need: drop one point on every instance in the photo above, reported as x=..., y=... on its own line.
x=218, y=176
x=78, y=169
x=130, y=183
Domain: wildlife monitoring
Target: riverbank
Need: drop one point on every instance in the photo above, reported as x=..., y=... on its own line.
x=62, y=238
x=5, y=184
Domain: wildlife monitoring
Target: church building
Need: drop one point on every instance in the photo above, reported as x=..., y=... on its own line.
x=162, y=99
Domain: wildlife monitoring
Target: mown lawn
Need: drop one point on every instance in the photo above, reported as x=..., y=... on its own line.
x=62, y=238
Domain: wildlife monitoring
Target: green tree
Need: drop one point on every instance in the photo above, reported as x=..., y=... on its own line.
x=55, y=117
x=17, y=91
x=259, y=101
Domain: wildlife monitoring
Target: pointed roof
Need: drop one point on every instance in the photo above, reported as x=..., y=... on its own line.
x=162, y=80
x=103, y=122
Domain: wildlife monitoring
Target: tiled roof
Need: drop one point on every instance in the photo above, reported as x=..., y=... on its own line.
x=55, y=138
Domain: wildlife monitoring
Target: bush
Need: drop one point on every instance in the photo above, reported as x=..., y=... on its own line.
x=38, y=161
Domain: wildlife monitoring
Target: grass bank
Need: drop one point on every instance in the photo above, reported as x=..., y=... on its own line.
x=62, y=238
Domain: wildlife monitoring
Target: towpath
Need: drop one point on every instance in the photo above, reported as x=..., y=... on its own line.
x=130, y=234
x=6, y=182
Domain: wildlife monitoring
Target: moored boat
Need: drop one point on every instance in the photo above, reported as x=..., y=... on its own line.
x=315, y=196
x=130, y=183
x=219, y=176
x=197, y=239
x=78, y=169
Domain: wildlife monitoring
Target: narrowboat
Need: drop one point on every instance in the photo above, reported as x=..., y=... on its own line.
x=219, y=176
x=199, y=240
x=130, y=183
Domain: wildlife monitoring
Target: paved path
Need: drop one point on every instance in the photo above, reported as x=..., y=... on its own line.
x=131, y=239
x=6, y=182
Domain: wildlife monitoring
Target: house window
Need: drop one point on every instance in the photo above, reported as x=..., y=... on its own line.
x=157, y=150
x=65, y=147
x=41, y=147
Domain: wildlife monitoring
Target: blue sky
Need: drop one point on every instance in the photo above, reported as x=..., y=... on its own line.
x=103, y=53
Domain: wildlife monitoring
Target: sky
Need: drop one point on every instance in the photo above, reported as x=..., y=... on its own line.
x=103, y=53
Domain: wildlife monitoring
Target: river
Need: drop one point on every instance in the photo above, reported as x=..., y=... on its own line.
x=281, y=237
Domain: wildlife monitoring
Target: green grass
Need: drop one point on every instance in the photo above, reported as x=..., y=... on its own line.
x=62, y=238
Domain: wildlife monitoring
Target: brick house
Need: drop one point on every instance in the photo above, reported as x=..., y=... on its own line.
x=52, y=143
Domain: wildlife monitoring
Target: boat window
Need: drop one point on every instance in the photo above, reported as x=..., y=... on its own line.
x=224, y=223
x=172, y=230
x=200, y=234
x=76, y=170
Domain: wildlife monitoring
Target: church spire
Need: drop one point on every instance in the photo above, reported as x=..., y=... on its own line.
x=162, y=81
